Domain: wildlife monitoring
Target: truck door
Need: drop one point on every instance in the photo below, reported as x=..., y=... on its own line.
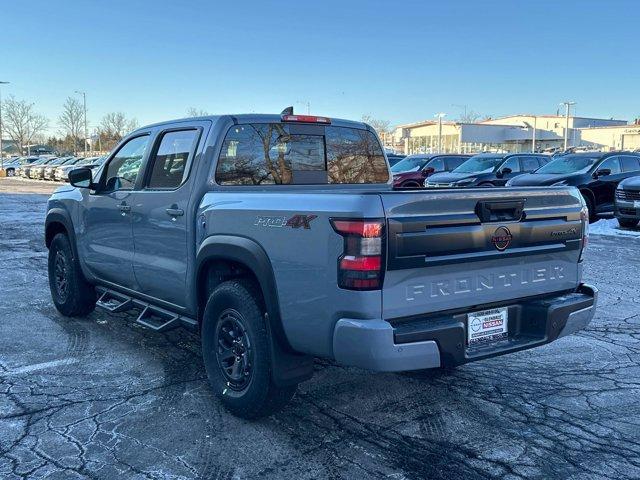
x=107, y=240
x=161, y=214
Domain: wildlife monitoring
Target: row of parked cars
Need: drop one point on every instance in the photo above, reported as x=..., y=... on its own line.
x=608, y=181
x=48, y=167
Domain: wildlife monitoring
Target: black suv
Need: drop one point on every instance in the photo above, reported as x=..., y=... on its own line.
x=596, y=174
x=488, y=170
x=628, y=202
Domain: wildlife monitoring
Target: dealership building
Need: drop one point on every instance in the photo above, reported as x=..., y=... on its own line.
x=515, y=133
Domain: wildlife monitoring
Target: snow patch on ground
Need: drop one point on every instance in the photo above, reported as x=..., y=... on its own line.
x=611, y=227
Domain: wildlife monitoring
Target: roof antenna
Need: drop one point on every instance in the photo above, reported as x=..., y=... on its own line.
x=287, y=111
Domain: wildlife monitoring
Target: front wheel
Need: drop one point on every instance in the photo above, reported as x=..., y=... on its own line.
x=628, y=222
x=72, y=295
x=11, y=172
x=486, y=185
x=237, y=353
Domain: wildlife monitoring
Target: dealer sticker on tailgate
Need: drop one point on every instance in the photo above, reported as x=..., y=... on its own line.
x=487, y=326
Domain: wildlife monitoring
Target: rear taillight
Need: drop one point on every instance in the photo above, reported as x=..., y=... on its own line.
x=305, y=119
x=361, y=265
x=584, y=217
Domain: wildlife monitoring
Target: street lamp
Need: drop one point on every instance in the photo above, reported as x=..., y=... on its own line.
x=1, y=156
x=567, y=105
x=439, y=117
x=86, y=133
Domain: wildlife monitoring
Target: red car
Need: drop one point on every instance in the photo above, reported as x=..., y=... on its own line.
x=412, y=171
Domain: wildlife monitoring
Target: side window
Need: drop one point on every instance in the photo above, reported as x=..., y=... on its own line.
x=437, y=164
x=169, y=165
x=613, y=164
x=513, y=163
x=543, y=160
x=455, y=162
x=630, y=164
x=123, y=168
x=529, y=164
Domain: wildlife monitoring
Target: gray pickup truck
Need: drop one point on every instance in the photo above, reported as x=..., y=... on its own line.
x=280, y=238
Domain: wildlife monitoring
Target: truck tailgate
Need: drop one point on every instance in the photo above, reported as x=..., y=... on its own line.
x=452, y=249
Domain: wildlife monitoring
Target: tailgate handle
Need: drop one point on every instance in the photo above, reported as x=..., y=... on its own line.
x=500, y=211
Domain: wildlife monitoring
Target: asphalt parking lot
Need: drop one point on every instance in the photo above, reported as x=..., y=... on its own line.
x=103, y=398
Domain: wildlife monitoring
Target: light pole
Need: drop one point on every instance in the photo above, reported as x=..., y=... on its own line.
x=1, y=156
x=86, y=133
x=533, y=139
x=439, y=117
x=567, y=105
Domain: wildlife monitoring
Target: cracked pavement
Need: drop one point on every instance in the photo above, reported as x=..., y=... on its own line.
x=103, y=398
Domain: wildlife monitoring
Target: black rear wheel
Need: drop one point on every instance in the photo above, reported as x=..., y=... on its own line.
x=237, y=351
x=628, y=222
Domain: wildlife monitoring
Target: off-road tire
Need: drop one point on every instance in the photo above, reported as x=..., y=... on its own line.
x=260, y=397
x=628, y=222
x=78, y=297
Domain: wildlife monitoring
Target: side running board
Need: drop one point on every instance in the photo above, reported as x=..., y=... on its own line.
x=150, y=316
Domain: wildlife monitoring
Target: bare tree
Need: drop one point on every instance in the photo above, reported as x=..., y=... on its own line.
x=71, y=121
x=22, y=123
x=113, y=127
x=381, y=126
x=197, y=112
x=469, y=117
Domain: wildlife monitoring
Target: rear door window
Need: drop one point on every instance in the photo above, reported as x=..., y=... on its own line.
x=282, y=154
x=529, y=164
x=455, y=162
x=630, y=163
x=170, y=161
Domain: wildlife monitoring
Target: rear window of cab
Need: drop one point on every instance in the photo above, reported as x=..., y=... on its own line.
x=285, y=154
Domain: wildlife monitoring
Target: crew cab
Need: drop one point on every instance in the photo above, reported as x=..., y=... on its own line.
x=595, y=174
x=488, y=170
x=279, y=238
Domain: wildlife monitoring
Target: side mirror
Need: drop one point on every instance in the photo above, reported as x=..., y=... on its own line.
x=428, y=171
x=504, y=171
x=603, y=172
x=80, y=177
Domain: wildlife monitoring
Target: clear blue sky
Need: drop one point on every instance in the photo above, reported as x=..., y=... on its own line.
x=397, y=60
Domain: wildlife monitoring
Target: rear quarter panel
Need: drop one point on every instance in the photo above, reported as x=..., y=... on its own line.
x=304, y=260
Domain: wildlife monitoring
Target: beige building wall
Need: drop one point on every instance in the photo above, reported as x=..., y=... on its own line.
x=626, y=137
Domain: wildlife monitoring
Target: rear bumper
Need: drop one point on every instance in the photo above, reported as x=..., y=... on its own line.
x=440, y=340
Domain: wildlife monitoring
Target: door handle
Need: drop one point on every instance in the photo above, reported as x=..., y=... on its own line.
x=175, y=212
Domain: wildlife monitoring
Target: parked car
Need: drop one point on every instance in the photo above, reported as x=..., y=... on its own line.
x=394, y=158
x=25, y=170
x=50, y=169
x=627, y=202
x=595, y=174
x=488, y=170
x=60, y=173
x=12, y=165
x=36, y=172
x=273, y=271
x=411, y=171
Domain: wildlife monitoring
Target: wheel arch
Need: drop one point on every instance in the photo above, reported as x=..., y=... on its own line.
x=222, y=257
x=59, y=221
